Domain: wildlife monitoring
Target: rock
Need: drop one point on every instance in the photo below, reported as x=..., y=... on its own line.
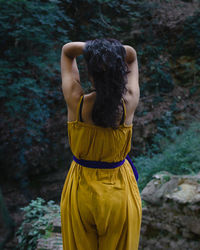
x=171, y=217
x=53, y=242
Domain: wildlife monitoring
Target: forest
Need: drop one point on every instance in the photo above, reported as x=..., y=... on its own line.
x=34, y=150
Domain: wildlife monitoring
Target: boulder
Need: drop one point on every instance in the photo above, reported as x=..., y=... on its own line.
x=171, y=215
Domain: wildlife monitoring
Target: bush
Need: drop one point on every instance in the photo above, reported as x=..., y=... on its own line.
x=178, y=157
x=36, y=224
x=29, y=62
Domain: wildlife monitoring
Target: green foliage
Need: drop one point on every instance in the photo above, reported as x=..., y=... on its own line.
x=98, y=18
x=159, y=49
x=189, y=39
x=35, y=223
x=186, y=50
x=29, y=62
x=29, y=55
x=152, y=44
x=160, y=81
x=178, y=157
x=143, y=204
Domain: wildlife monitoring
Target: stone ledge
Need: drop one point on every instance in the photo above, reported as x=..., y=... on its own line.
x=171, y=216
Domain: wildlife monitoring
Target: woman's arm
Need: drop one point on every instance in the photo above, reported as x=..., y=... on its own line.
x=73, y=49
x=71, y=87
x=130, y=54
x=133, y=76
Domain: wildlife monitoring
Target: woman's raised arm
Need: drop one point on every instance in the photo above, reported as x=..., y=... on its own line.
x=130, y=54
x=133, y=76
x=73, y=49
x=71, y=87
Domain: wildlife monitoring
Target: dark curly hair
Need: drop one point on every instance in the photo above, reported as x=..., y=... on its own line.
x=105, y=59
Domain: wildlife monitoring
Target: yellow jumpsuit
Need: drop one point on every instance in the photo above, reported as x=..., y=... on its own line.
x=100, y=208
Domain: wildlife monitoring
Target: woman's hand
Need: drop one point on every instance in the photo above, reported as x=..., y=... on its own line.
x=73, y=49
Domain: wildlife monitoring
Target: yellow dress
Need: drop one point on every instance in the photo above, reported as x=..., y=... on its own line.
x=100, y=208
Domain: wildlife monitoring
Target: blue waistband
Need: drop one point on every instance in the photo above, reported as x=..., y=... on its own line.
x=104, y=165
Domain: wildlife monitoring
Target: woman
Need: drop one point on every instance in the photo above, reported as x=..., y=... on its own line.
x=100, y=202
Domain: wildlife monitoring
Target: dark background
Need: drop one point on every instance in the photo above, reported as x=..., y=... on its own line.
x=34, y=151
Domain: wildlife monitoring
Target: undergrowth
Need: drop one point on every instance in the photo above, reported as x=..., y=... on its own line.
x=36, y=223
x=182, y=156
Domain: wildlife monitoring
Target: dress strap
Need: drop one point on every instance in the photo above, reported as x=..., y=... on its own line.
x=80, y=103
x=80, y=110
x=124, y=112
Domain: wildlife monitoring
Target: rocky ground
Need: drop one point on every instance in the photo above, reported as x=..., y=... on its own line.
x=171, y=216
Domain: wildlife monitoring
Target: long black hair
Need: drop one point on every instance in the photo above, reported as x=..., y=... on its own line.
x=105, y=59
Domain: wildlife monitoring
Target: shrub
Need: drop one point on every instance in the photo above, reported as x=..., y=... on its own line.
x=178, y=157
x=35, y=223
